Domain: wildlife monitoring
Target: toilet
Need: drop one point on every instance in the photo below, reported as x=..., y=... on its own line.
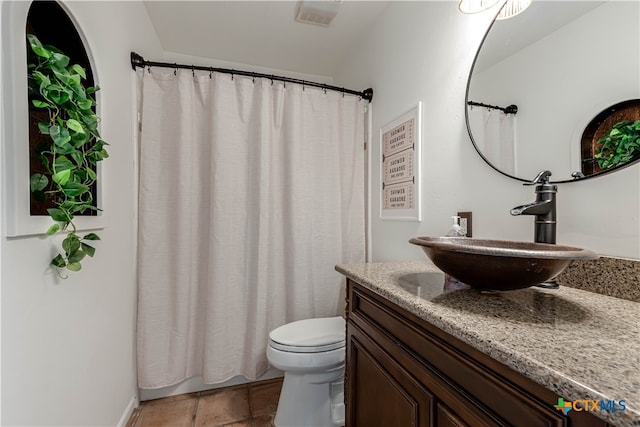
x=311, y=353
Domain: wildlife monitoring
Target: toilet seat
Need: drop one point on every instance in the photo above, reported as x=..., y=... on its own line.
x=309, y=335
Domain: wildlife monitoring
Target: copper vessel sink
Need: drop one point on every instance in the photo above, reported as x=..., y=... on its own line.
x=499, y=264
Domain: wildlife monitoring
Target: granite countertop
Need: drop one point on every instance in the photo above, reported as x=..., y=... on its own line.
x=579, y=344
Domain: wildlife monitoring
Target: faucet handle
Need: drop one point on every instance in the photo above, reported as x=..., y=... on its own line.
x=541, y=178
x=577, y=175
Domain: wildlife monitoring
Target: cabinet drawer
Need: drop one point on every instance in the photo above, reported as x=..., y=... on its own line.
x=472, y=384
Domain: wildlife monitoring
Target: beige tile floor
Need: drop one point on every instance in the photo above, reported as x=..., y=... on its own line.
x=247, y=405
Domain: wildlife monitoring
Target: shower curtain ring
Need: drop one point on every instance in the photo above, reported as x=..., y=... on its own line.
x=193, y=70
x=271, y=79
x=148, y=68
x=232, y=70
x=210, y=72
x=253, y=79
x=175, y=69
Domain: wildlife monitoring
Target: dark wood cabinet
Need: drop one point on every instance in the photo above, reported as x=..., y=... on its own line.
x=403, y=402
x=403, y=372
x=447, y=419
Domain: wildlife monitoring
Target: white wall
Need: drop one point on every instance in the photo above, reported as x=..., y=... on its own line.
x=423, y=51
x=68, y=353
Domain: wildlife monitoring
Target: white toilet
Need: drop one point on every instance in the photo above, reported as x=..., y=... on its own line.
x=311, y=353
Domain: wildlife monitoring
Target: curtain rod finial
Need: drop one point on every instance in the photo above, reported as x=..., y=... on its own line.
x=367, y=94
x=136, y=61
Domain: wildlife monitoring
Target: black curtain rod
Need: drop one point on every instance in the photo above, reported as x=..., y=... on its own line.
x=509, y=109
x=139, y=61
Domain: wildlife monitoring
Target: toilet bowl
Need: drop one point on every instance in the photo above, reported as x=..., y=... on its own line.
x=311, y=353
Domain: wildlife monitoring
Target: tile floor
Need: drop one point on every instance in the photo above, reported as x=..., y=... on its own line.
x=247, y=405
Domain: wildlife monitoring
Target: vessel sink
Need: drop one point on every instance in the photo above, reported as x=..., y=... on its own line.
x=499, y=264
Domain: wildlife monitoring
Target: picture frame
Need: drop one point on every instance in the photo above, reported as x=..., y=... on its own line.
x=400, y=167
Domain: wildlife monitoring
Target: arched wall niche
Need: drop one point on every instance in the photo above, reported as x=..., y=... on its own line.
x=599, y=126
x=49, y=21
x=16, y=16
x=52, y=26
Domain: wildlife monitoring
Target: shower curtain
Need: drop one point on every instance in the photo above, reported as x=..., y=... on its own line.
x=250, y=191
x=494, y=133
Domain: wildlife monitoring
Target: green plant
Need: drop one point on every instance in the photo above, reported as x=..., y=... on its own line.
x=74, y=146
x=620, y=145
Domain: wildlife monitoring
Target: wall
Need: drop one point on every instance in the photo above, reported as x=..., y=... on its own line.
x=68, y=353
x=423, y=51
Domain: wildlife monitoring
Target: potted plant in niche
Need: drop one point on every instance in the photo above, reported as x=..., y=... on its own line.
x=73, y=147
x=621, y=144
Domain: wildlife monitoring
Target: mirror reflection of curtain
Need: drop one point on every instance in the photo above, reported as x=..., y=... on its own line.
x=496, y=136
x=250, y=194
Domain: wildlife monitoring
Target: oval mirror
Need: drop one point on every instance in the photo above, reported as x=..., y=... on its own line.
x=541, y=81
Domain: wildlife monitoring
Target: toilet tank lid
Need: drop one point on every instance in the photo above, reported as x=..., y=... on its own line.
x=310, y=332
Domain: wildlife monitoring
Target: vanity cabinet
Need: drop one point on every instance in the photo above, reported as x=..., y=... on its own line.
x=402, y=371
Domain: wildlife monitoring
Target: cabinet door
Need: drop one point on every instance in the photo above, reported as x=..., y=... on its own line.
x=446, y=418
x=381, y=393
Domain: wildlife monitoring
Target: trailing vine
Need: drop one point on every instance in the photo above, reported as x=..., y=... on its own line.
x=75, y=147
x=620, y=145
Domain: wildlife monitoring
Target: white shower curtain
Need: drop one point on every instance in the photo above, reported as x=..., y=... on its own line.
x=250, y=192
x=494, y=133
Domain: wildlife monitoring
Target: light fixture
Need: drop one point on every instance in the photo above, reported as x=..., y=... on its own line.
x=476, y=6
x=510, y=8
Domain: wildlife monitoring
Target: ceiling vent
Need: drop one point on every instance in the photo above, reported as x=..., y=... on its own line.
x=317, y=12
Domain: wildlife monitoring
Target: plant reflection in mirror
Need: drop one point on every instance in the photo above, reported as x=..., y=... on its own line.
x=620, y=145
x=75, y=147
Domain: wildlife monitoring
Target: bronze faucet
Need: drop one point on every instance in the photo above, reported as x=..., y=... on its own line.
x=544, y=208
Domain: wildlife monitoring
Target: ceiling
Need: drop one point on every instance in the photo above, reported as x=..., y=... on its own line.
x=262, y=33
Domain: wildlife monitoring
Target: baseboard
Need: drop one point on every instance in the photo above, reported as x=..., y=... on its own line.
x=128, y=411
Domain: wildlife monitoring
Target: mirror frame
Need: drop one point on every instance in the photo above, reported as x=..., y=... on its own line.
x=475, y=146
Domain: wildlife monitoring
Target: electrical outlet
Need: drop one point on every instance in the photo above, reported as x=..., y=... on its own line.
x=465, y=223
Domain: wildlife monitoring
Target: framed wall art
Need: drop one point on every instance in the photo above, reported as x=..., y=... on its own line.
x=400, y=168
